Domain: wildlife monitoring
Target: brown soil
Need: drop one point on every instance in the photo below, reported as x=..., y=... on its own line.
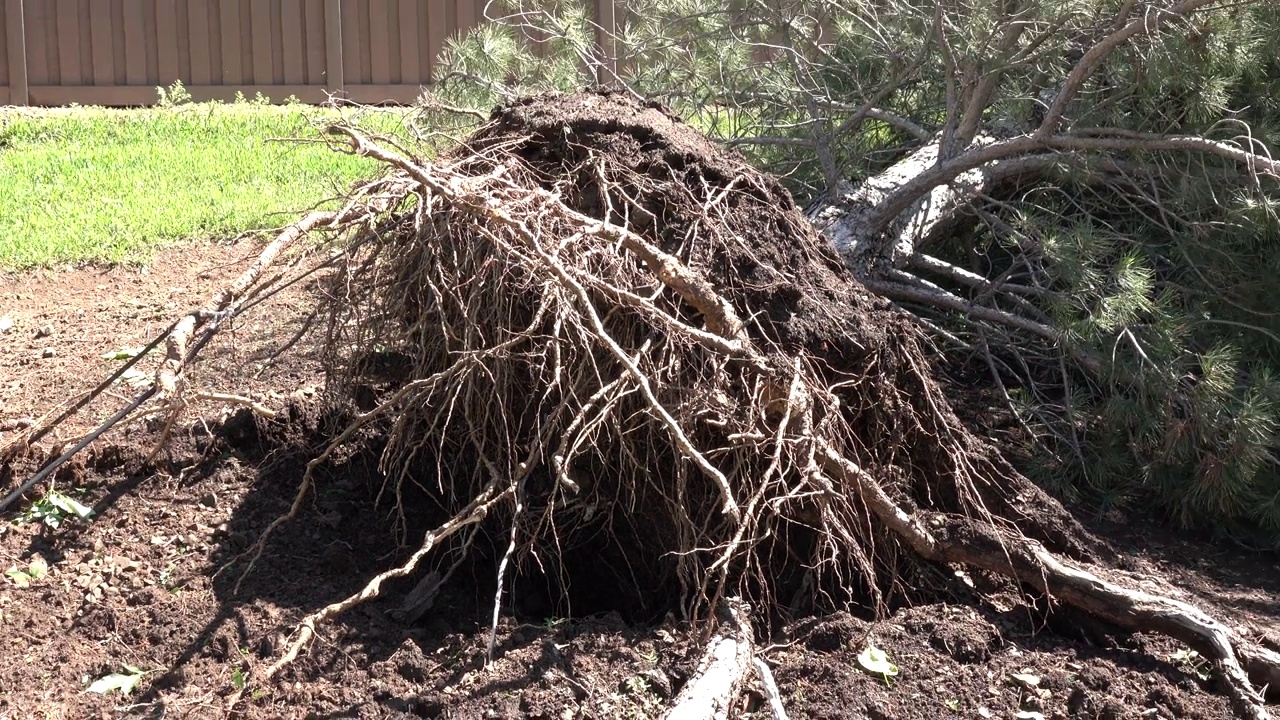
x=138, y=584
x=63, y=323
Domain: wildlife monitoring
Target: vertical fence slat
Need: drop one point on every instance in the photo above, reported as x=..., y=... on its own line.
x=68, y=13
x=466, y=14
x=230, y=27
x=293, y=35
x=168, y=68
x=335, y=73
x=260, y=18
x=181, y=20
x=313, y=12
x=424, y=44
x=16, y=44
x=437, y=31
x=37, y=35
x=245, y=30
x=5, y=60
x=361, y=49
x=104, y=71
x=152, y=38
x=135, y=44
x=277, y=43
x=52, y=63
x=86, y=43
x=375, y=38
x=391, y=26
x=118, y=59
x=199, y=31
x=410, y=71
x=350, y=30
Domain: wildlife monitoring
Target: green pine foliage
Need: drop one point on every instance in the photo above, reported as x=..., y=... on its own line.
x=1168, y=271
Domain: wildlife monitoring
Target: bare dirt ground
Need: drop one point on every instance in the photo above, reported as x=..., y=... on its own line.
x=138, y=583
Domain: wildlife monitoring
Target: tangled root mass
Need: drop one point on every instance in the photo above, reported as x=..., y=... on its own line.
x=650, y=445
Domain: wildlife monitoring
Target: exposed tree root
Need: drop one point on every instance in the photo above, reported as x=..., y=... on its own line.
x=956, y=539
x=770, y=689
x=543, y=321
x=612, y=339
x=712, y=691
x=472, y=514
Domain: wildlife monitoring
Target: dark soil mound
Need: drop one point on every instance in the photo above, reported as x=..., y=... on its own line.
x=639, y=166
x=601, y=391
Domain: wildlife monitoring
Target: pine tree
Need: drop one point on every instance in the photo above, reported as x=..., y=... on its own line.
x=1076, y=196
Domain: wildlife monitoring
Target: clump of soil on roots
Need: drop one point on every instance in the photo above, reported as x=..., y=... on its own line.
x=632, y=377
x=651, y=404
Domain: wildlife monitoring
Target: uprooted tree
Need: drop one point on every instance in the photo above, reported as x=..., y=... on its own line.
x=591, y=332
x=1077, y=198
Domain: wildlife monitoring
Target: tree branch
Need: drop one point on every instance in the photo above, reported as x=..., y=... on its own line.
x=899, y=122
x=1256, y=163
x=905, y=287
x=980, y=94
x=900, y=199
x=1088, y=64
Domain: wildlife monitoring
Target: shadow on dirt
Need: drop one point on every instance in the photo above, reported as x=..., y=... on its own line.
x=344, y=534
x=372, y=661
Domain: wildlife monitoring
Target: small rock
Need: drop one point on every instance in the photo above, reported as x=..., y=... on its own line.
x=44, y=331
x=209, y=500
x=6, y=324
x=658, y=682
x=48, y=353
x=1025, y=679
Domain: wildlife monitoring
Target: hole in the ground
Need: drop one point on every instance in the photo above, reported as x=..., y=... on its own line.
x=587, y=570
x=584, y=566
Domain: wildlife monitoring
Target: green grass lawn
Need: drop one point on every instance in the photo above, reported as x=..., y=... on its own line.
x=92, y=184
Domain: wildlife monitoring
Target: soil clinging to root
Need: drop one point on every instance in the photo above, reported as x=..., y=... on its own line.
x=653, y=393
x=629, y=375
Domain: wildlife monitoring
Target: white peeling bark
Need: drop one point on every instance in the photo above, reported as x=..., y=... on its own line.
x=711, y=692
x=871, y=240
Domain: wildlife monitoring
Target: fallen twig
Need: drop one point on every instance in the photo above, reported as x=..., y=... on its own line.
x=177, y=337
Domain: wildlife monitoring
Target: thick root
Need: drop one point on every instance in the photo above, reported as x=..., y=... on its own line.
x=953, y=539
x=712, y=691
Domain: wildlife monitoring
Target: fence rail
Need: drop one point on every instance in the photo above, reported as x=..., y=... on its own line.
x=116, y=52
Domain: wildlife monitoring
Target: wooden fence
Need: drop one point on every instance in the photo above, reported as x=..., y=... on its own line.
x=116, y=52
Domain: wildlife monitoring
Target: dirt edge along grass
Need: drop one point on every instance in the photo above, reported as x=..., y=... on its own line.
x=89, y=184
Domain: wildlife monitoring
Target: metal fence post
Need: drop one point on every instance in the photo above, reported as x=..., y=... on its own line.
x=17, y=43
